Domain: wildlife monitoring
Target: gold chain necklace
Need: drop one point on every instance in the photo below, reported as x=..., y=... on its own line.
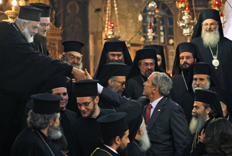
x=215, y=61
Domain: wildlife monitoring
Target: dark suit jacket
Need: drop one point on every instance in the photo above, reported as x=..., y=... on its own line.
x=168, y=130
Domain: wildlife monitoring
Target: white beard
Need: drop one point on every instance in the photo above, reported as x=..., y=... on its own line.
x=144, y=140
x=197, y=123
x=210, y=38
x=54, y=132
x=194, y=87
x=28, y=36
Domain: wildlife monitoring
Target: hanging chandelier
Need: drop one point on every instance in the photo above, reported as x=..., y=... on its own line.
x=11, y=14
x=109, y=25
x=219, y=6
x=186, y=20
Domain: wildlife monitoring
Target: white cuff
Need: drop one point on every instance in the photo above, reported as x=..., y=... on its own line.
x=99, y=88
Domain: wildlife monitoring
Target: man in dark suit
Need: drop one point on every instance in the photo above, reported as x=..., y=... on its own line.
x=166, y=123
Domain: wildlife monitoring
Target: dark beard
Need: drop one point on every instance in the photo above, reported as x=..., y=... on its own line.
x=122, y=152
x=185, y=69
x=40, y=39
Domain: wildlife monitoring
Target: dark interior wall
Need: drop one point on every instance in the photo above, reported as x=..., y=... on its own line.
x=72, y=16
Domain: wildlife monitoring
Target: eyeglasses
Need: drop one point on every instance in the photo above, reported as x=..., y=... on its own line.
x=44, y=24
x=71, y=57
x=86, y=104
x=62, y=94
x=149, y=64
x=187, y=57
x=122, y=83
x=209, y=24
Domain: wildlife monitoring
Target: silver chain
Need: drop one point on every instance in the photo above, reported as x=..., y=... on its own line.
x=184, y=80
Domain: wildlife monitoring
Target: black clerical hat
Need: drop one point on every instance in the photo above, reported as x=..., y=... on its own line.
x=115, y=45
x=159, y=51
x=55, y=82
x=44, y=7
x=201, y=68
x=111, y=69
x=134, y=117
x=211, y=98
x=72, y=46
x=207, y=14
x=112, y=125
x=84, y=88
x=46, y=103
x=146, y=54
x=225, y=97
x=30, y=13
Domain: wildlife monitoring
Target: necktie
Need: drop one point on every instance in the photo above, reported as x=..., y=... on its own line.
x=148, y=112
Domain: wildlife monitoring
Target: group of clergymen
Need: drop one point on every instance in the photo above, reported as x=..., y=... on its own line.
x=52, y=107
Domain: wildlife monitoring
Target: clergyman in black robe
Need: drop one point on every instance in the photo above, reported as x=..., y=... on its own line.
x=139, y=72
x=113, y=77
x=85, y=132
x=40, y=39
x=209, y=100
x=114, y=46
x=134, y=120
x=180, y=71
x=213, y=47
x=43, y=125
x=23, y=73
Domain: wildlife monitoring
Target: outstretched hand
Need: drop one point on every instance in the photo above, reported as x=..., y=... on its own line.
x=87, y=75
x=78, y=74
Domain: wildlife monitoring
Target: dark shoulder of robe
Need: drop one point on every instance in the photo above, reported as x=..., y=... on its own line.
x=40, y=47
x=178, y=90
x=68, y=118
x=187, y=105
x=23, y=73
x=29, y=143
x=134, y=87
x=134, y=149
x=223, y=71
x=23, y=69
x=103, y=151
x=86, y=134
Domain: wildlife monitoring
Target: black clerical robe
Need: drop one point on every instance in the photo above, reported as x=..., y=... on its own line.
x=67, y=119
x=102, y=150
x=34, y=143
x=179, y=89
x=23, y=73
x=134, y=149
x=86, y=134
x=40, y=47
x=223, y=71
x=134, y=87
x=196, y=144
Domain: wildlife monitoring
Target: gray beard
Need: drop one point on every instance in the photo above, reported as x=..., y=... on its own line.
x=54, y=132
x=27, y=35
x=210, y=38
x=194, y=87
x=197, y=123
x=144, y=140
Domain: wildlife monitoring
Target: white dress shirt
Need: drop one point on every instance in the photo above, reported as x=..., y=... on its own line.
x=154, y=104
